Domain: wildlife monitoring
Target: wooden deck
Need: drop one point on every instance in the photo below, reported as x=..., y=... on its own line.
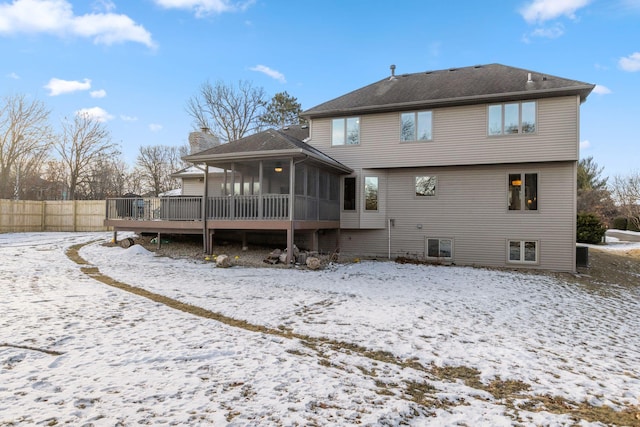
x=183, y=215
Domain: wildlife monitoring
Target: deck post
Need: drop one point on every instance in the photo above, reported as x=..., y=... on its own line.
x=158, y=242
x=289, y=243
x=205, y=235
x=314, y=240
x=260, y=201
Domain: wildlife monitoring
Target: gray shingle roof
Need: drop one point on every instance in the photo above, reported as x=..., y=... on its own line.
x=270, y=143
x=455, y=86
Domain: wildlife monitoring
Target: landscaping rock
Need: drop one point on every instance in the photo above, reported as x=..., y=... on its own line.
x=223, y=261
x=313, y=263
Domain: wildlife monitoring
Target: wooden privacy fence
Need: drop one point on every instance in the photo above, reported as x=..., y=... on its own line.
x=52, y=215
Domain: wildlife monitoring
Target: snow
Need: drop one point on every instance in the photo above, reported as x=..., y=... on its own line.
x=614, y=244
x=76, y=351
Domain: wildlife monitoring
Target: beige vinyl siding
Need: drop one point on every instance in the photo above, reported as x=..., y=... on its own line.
x=459, y=138
x=194, y=186
x=374, y=219
x=471, y=208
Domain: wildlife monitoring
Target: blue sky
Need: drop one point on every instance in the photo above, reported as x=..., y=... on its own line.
x=135, y=63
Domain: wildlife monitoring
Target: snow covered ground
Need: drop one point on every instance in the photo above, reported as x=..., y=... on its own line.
x=76, y=351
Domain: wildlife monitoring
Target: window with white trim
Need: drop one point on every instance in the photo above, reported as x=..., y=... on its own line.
x=523, y=191
x=439, y=248
x=416, y=126
x=523, y=251
x=511, y=118
x=345, y=131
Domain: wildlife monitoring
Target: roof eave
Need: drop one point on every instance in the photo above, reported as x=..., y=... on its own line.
x=263, y=155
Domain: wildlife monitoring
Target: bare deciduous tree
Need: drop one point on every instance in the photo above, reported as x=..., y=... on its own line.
x=55, y=181
x=156, y=163
x=84, y=141
x=626, y=192
x=230, y=112
x=105, y=178
x=25, y=140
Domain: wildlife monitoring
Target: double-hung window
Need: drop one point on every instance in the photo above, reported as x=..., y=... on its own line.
x=345, y=131
x=523, y=191
x=416, y=126
x=512, y=118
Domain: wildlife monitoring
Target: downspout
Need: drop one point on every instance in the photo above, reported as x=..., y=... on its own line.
x=389, y=226
x=391, y=223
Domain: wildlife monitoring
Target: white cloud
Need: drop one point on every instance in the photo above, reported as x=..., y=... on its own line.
x=552, y=32
x=206, y=7
x=269, y=72
x=59, y=86
x=13, y=76
x=95, y=112
x=57, y=17
x=631, y=62
x=128, y=118
x=584, y=145
x=101, y=93
x=545, y=10
x=601, y=90
x=104, y=5
x=154, y=127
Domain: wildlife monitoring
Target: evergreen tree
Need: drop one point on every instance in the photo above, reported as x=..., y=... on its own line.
x=282, y=110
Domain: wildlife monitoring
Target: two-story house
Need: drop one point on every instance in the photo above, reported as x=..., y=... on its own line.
x=472, y=166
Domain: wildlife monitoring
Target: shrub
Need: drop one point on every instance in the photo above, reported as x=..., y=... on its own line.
x=589, y=229
x=620, y=223
x=631, y=226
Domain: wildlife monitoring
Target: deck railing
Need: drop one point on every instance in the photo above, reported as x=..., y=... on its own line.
x=183, y=208
x=254, y=207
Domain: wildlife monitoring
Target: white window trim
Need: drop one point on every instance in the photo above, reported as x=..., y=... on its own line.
x=426, y=248
x=522, y=243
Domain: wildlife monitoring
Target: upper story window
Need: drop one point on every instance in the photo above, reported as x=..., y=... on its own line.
x=512, y=118
x=426, y=186
x=523, y=191
x=416, y=126
x=345, y=131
